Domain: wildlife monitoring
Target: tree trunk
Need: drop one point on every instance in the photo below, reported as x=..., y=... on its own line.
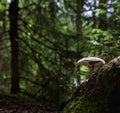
x=94, y=16
x=79, y=36
x=79, y=8
x=102, y=16
x=100, y=94
x=13, y=17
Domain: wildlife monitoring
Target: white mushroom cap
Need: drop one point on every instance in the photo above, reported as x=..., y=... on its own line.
x=88, y=60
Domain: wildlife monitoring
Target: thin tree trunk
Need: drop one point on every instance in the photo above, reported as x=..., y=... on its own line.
x=102, y=17
x=94, y=16
x=79, y=36
x=79, y=8
x=13, y=17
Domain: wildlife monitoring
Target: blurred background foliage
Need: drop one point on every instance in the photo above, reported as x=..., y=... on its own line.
x=53, y=35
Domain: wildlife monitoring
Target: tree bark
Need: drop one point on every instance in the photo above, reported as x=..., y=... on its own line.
x=13, y=18
x=79, y=8
x=100, y=94
x=79, y=35
x=94, y=16
x=102, y=16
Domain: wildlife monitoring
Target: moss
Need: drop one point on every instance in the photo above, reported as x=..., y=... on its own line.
x=87, y=104
x=103, y=97
x=72, y=105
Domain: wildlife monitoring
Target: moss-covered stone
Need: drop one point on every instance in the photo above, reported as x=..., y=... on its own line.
x=101, y=94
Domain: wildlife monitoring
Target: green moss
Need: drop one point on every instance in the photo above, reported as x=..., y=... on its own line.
x=87, y=104
x=103, y=97
x=72, y=105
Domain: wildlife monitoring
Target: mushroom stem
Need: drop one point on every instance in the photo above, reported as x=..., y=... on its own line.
x=91, y=67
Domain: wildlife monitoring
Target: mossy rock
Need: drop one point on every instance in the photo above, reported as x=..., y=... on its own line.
x=103, y=96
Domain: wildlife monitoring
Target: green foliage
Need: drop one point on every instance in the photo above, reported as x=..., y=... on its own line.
x=50, y=44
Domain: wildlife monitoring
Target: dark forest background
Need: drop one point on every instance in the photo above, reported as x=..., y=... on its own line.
x=41, y=41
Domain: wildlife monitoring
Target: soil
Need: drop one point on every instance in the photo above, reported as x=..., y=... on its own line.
x=10, y=104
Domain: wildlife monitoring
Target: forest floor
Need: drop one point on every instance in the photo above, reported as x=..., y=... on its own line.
x=9, y=104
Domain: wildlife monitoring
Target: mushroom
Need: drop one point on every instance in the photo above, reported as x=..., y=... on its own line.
x=90, y=62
